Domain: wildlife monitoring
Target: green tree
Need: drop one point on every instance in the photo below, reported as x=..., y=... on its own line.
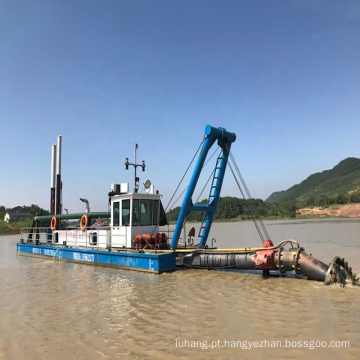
x=354, y=197
x=321, y=200
x=341, y=199
x=310, y=201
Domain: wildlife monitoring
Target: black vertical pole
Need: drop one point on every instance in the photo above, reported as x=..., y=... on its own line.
x=58, y=178
x=52, y=186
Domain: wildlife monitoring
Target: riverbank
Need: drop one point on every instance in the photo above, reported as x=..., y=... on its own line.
x=14, y=227
x=347, y=211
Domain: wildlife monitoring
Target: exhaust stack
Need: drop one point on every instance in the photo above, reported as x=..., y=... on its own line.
x=58, y=178
x=52, y=185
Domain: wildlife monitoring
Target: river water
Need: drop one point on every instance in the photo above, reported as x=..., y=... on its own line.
x=58, y=310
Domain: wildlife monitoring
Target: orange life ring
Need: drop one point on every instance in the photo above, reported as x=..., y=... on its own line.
x=83, y=224
x=53, y=223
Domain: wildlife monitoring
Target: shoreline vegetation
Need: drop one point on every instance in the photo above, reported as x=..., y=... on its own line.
x=235, y=209
x=13, y=228
x=316, y=212
x=349, y=211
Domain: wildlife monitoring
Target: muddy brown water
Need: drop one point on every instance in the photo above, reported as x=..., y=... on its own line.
x=59, y=310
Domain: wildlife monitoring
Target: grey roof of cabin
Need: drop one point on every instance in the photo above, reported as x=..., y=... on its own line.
x=14, y=214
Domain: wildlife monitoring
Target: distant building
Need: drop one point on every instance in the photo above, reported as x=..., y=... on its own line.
x=9, y=217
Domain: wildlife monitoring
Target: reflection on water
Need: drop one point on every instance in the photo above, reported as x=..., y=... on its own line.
x=56, y=310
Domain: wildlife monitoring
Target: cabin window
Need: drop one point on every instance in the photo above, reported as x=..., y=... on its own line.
x=135, y=219
x=125, y=212
x=146, y=212
x=116, y=213
x=156, y=212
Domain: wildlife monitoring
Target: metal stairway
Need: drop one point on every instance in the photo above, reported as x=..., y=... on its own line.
x=214, y=189
x=224, y=140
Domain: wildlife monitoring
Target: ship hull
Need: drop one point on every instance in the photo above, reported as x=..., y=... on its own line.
x=149, y=262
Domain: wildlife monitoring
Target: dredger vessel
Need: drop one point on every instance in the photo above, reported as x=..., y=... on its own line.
x=128, y=235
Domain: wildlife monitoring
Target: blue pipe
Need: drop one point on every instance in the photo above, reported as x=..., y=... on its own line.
x=224, y=141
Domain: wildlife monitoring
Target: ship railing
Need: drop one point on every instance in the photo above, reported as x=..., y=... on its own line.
x=35, y=235
x=96, y=237
x=169, y=231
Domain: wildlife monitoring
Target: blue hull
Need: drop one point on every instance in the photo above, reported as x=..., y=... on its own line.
x=154, y=263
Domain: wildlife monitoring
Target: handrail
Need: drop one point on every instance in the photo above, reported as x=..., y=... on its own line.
x=94, y=237
x=34, y=234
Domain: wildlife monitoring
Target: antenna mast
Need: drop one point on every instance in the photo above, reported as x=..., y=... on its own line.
x=135, y=165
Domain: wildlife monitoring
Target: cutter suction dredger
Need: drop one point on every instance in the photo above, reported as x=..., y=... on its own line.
x=285, y=257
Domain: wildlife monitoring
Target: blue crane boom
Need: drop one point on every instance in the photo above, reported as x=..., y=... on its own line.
x=225, y=139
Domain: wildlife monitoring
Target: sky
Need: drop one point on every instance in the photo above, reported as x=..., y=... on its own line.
x=106, y=74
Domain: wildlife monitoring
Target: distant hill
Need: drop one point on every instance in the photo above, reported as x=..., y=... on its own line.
x=344, y=178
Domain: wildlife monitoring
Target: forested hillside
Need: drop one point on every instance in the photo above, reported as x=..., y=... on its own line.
x=339, y=185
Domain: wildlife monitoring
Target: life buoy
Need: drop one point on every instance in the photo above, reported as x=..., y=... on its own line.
x=53, y=223
x=83, y=222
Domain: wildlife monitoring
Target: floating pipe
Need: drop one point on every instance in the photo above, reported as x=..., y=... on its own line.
x=220, y=261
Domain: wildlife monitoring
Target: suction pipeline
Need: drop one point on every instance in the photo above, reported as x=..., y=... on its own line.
x=272, y=257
